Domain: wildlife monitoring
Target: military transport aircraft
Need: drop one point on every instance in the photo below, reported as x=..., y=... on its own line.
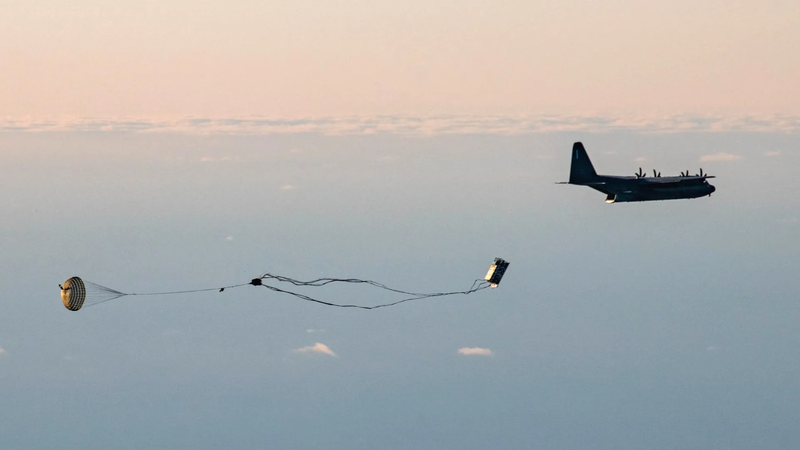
x=637, y=188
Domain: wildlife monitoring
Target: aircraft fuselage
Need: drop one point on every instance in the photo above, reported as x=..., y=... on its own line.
x=633, y=189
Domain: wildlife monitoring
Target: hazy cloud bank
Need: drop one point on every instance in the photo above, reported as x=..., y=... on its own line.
x=411, y=125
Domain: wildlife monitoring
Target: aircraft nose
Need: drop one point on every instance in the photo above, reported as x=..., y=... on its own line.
x=712, y=189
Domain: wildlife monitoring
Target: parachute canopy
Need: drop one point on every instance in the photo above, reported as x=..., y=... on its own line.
x=73, y=293
x=76, y=292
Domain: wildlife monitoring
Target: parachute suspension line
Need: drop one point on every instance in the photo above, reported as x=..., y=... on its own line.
x=107, y=294
x=102, y=290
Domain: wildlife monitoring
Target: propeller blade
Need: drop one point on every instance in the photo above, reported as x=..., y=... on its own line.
x=654, y=173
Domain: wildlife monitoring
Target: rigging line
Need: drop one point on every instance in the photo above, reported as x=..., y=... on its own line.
x=477, y=285
x=480, y=286
x=324, y=281
x=193, y=290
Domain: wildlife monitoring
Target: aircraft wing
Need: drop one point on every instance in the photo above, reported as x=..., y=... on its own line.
x=667, y=182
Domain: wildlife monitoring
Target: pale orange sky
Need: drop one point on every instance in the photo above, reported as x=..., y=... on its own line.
x=312, y=58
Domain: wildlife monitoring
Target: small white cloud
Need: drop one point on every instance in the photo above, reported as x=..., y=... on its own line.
x=475, y=351
x=720, y=157
x=711, y=348
x=316, y=348
x=312, y=330
x=206, y=159
x=2, y=351
x=229, y=238
x=772, y=153
x=641, y=159
x=286, y=187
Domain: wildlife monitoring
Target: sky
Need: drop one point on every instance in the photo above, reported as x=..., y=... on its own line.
x=163, y=146
x=311, y=58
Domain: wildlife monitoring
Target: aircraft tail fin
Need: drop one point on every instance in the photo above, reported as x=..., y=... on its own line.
x=581, y=170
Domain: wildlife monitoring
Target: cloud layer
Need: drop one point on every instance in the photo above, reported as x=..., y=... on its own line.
x=410, y=125
x=316, y=348
x=475, y=351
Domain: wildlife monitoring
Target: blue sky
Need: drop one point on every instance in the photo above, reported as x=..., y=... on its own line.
x=654, y=325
